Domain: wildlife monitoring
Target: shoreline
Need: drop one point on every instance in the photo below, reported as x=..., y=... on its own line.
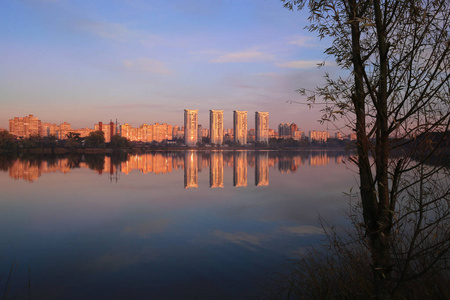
x=166, y=149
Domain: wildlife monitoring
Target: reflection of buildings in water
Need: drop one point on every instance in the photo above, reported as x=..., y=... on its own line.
x=338, y=159
x=240, y=168
x=298, y=161
x=203, y=160
x=319, y=159
x=228, y=159
x=190, y=169
x=216, y=170
x=147, y=163
x=285, y=164
x=262, y=169
x=157, y=163
x=289, y=164
x=272, y=161
x=109, y=168
x=162, y=163
x=251, y=158
x=31, y=171
x=178, y=162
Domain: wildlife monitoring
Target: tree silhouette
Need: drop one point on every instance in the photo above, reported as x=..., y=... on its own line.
x=395, y=96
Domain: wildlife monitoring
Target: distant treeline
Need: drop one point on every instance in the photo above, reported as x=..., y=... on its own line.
x=95, y=142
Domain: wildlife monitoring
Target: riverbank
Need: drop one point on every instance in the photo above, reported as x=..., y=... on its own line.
x=164, y=149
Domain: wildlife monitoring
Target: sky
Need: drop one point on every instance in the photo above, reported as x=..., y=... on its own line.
x=146, y=61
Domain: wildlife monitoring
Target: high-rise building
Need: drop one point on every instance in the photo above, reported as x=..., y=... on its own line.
x=318, y=136
x=64, y=129
x=200, y=133
x=294, y=129
x=148, y=133
x=108, y=129
x=240, y=127
x=262, y=126
x=162, y=132
x=284, y=130
x=298, y=135
x=190, y=126
x=216, y=126
x=178, y=132
x=25, y=126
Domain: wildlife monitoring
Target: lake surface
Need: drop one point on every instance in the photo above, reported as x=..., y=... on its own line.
x=166, y=225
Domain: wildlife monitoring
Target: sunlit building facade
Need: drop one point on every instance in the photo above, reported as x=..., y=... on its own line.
x=108, y=129
x=216, y=126
x=147, y=133
x=298, y=135
x=64, y=129
x=240, y=127
x=25, y=126
x=177, y=132
x=318, y=136
x=161, y=132
x=190, y=127
x=262, y=127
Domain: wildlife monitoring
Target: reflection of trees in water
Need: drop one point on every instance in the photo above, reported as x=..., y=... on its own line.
x=290, y=161
x=74, y=160
x=118, y=157
x=95, y=162
x=6, y=161
x=32, y=159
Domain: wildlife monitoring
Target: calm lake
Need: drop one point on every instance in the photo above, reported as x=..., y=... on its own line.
x=165, y=225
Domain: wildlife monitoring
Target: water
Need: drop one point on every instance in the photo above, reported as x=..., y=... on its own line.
x=173, y=225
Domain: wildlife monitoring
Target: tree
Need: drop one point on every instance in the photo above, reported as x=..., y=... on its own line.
x=95, y=139
x=395, y=96
x=7, y=142
x=73, y=140
x=118, y=142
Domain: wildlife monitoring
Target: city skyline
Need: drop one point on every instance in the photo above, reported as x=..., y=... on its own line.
x=138, y=61
x=191, y=132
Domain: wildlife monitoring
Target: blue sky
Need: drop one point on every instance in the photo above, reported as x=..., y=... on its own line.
x=145, y=61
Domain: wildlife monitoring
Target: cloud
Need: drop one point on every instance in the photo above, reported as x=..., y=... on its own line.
x=302, y=41
x=303, y=230
x=107, y=30
x=300, y=64
x=125, y=106
x=241, y=238
x=243, y=56
x=146, y=65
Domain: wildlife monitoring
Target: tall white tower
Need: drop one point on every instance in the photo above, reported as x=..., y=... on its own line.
x=240, y=127
x=190, y=126
x=262, y=126
x=216, y=126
